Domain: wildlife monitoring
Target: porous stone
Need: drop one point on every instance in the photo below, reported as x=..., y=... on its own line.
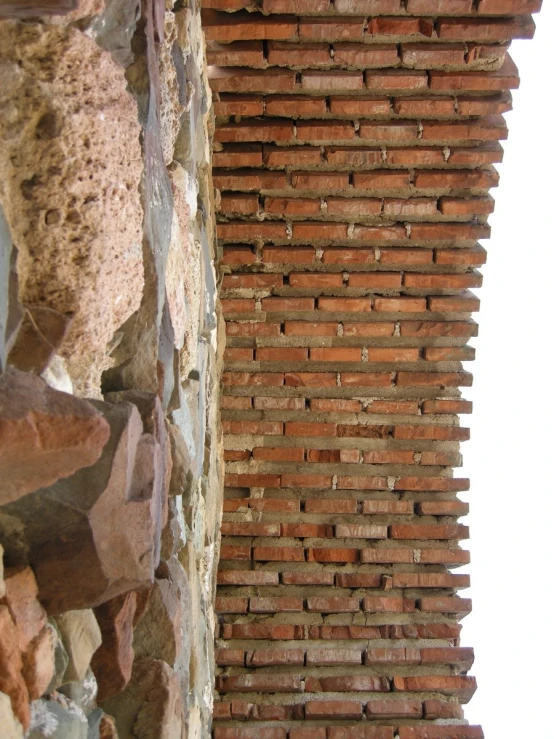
x=151, y=706
x=61, y=658
x=81, y=636
x=70, y=169
x=112, y=663
x=11, y=665
x=88, y=538
x=45, y=435
x=11, y=727
x=82, y=692
x=39, y=662
x=41, y=333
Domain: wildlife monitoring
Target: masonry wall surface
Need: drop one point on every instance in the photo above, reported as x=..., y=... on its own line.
x=354, y=153
x=110, y=358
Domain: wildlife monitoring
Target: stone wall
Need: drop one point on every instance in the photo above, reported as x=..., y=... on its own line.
x=110, y=349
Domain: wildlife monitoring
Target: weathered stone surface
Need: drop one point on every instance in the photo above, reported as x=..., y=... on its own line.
x=44, y=434
x=163, y=631
x=32, y=8
x=40, y=335
x=107, y=727
x=11, y=679
x=87, y=537
x=174, y=536
x=81, y=637
x=71, y=166
x=82, y=692
x=22, y=600
x=39, y=662
x=2, y=583
x=57, y=719
x=11, y=727
x=112, y=663
x=151, y=707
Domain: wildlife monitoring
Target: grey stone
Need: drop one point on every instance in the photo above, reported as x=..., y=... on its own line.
x=81, y=637
x=57, y=719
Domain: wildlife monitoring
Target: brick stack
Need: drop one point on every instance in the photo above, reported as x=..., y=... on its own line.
x=354, y=155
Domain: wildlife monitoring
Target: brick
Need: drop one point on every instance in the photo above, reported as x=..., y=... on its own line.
x=353, y=157
x=276, y=605
x=425, y=56
x=454, y=304
x=244, y=231
x=274, y=505
x=293, y=106
x=390, y=709
x=246, y=26
x=364, y=56
x=439, y=433
x=296, y=7
x=460, y=686
x=238, y=355
x=365, y=379
x=368, y=329
x=324, y=131
x=281, y=354
x=258, y=683
x=441, y=732
x=438, y=328
x=319, y=231
x=446, y=281
x=229, y=528
x=381, y=180
x=287, y=305
x=234, y=552
x=227, y=657
x=406, y=256
x=386, y=556
x=409, y=407
x=434, y=709
x=395, y=80
x=360, y=531
x=353, y=207
x=305, y=481
x=278, y=554
x=460, y=179
x=401, y=27
x=331, y=80
x=359, y=107
x=336, y=355
x=279, y=404
x=344, y=256
x=313, y=280
x=393, y=656
x=324, y=709
x=264, y=631
x=362, y=580
x=310, y=379
x=247, y=577
x=231, y=605
x=299, y=156
x=282, y=454
x=375, y=280
x=253, y=427
x=509, y=7
x=243, y=105
x=394, y=507
x=429, y=580
x=333, y=405
x=298, y=55
x=344, y=305
x=252, y=329
x=266, y=657
x=410, y=207
x=423, y=532
x=310, y=732
x=288, y=255
x=241, y=53
x=324, y=656
x=305, y=328
x=364, y=7
x=330, y=506
x=244, y=732
x=333, y=605
x=385, y=604
x=238, y=79
x=329, y=29
x=485, y=29
x=297, y=428
x=434, y=7
x=449, y=354
x=445, y=605
x=307, y=578
x=267, y=379
x=334, y=554
x=389, y=132
x=447, y=406
x=292, y=206
x=424, y=108
x=400, y=305
x=248, y=179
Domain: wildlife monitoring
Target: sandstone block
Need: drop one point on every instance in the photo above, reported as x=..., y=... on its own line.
x=57, y=719
x=11, y=679
x=21, y=598
x=96, y=534
x=112, y=663
x=39, y=662
x=45, y=435
x=81, y=637
x=151, y=706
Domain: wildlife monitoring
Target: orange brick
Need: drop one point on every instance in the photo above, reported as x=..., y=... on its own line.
x=336, y=355
x=281, y=454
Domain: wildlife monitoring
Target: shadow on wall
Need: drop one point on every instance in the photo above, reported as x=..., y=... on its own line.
x=110, y=347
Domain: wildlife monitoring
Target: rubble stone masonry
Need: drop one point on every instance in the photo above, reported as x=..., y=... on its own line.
x=354, y=153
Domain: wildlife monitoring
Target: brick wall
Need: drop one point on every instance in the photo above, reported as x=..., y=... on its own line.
x=354, y=158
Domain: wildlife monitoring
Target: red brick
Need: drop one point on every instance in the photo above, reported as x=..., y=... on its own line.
x=292, y=206
x=365, y=56
x=282, y=454
x=286, y=305
x=311, y=231
x=438, y=328
x=253, y=427
x=394, y=507
x=459, y=179
x=385, y=604
x=278, y=554
x=279, y=404
x=325, y=709
x=296, y=428
x=454, y=304
x=248, y=179
x=245, y=732
x=308, y=481
x=267, y=379
x=306, y=578
x=427, y=56
x=386, y=556
x=305, y=328
x=310, y=379
x=369, y=329
x=227, y=657
x=485, y=29
x=443, y=281
x=393, y=131
x=324, y=656
x=259, y=683
x=445, y=605
x=281, y=354
x=353, y=207
x=239, y=79
x=388, y=709
x=264, y=631
x=429, y=580
x=456, y=731
x=245, y=231
x=365, y=379
x=331, y=80
x=361, y=580
x=359, y=106
x=335, y=405
x=243, y=105
x=288, y=255
x=235, y=552
x=309, y=732
x=406, y=256
x=438, y=433
x=230, y=528
x=314, y=280
x=332, y=554
x=231, y=605
x=410, y=207
x=400, y=305
x=434, y=709
x=241, y=53
x=263, y=657
x=416, y=156
x=330, y=506
x=330, y=29
x=365, y=7
x=324, y=131
x=360, y=531
x=449, y=354
x=375, y=280
x=401, y=27
x=444, y=556
x=336, y=355
x=344, y=305
x=381, y=180
x=252, y=329
x=246, y=26
x=423, y=532
x=447, y=406
x=247, y=577
x=409, y=407
x=293, y=106
x=238, y=355
x=509, y=7
x=333, y=605
x=460, y=686
x=298, y=55
x=344, y=256
x=338, y=156
x=299, y=156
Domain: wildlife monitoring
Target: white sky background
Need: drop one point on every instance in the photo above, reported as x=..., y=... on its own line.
x=510, y=458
